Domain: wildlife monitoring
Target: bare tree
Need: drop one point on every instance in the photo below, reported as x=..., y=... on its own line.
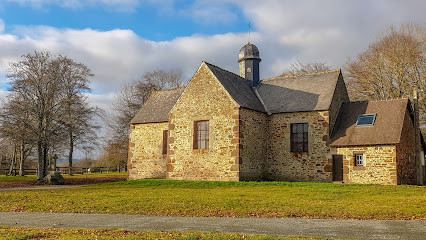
x=391, y=67
x=50, y=89
x=12, y=128
x=302, y=68
x=160, y=79
x=7, y=154
x=128, y=102
x=35, y=88
x=78, y=114
x=131, y=97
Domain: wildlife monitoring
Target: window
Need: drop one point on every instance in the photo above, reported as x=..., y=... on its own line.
x=165, y=135
x=366, y=120
x=299, y=137
x=359, y=159
x=201, y=134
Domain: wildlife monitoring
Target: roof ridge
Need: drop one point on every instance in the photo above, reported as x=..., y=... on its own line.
x=171, y=89
x=246, y=100
x=261, y=101
x=304, y=74
x=382, y=100
x=223, y=69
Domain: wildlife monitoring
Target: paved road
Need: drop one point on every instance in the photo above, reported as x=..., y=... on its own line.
x=359, y=229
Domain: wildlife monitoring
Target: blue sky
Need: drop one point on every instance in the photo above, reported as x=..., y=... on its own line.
x=121, y=39
x=155, y=21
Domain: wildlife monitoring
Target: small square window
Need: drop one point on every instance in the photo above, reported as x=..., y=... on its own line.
x=359, y=159
x=366, y=120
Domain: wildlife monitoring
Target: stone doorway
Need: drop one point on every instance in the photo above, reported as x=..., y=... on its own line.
x=337, y=168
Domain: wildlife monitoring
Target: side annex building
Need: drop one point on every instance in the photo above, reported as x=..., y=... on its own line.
x=229, y=127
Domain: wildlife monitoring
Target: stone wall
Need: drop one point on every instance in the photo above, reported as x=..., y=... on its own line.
x=379, y=164
x=254, y=141
x=406, y=160
x=146, y=159
x=204, y=99
x=314, y=165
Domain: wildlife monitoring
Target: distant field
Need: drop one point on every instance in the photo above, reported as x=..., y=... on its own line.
x=31, y=180
x=227, y=199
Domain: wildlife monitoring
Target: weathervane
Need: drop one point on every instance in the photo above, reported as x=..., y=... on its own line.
x=249, y=25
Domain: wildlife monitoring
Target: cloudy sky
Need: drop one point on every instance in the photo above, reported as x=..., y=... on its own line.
x=121, y=39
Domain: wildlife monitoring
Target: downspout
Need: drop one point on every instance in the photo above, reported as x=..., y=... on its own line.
x=417, y=142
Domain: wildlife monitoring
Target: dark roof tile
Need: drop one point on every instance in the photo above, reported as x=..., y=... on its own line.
x=158, y=106
x=386, y=130
x=308, y=92
x=300, y=93
x=240, y=89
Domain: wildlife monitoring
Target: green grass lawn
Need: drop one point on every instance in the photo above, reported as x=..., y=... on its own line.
x=227, y=199
x=31, y=180
x=40, y=233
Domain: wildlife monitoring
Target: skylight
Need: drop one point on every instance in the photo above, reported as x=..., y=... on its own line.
x=366, y=120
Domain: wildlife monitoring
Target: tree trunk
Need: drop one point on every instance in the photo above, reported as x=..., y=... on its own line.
x=40, y=146
x=49, y=161
x=41, y=163
x=21, y=162
x=70, y=152
x=12, y=170
x=45, y=161
x=54, y=162
x=12, y=163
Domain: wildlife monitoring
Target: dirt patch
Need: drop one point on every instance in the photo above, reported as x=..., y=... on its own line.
x=74, y=180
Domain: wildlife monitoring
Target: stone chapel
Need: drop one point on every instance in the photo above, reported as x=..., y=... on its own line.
x=229, y=127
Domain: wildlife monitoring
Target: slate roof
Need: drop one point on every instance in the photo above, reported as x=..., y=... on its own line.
x=300, y=93
x=240, y=89
x=157, y=107
x=307, y=92
x=386, y=130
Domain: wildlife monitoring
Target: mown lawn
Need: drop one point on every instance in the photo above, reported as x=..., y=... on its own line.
x=227, y=199
x=40, y=233
x=31, y=180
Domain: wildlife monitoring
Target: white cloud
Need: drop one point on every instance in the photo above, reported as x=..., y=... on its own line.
x=120, y=55
x=100, y=100
x=327, y=30
x=3, y=93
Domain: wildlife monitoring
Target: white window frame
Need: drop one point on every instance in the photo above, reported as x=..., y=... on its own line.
x=374, y=115
x=359, y=160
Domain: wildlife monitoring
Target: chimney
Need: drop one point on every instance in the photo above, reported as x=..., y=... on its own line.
x=249, y=60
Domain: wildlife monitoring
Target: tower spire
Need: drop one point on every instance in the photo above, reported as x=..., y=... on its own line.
x=249, y=25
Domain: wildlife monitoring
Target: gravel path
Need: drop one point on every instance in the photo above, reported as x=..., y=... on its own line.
x=354, y=229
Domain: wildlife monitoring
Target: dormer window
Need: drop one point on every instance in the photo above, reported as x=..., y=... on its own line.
x=366, y=120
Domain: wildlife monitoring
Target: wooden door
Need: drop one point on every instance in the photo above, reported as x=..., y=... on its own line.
x=337, y=167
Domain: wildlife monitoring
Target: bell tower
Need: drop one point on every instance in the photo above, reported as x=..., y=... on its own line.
x=249, y=60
